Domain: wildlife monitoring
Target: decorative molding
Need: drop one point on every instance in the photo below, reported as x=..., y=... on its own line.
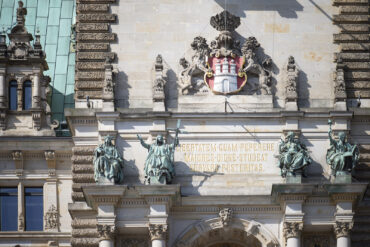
x=128, y=203
x=106, y=232
x=132, y=242
x=51, y=161
x=342, y=228
x=292, y=229
x=158, y=231
x=17, y=156
x=51, y=219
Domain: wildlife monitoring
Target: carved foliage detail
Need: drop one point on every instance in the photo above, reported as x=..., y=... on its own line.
x=106, y=232
x=291, y=84
x=292, y=229
x=342, y=229
x=157, y=231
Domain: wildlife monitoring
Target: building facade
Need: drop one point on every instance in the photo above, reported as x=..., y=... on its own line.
x=196, y=123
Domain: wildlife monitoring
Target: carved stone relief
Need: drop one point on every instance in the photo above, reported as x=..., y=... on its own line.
x=342, y=229
x=51, y=219
x=225, y=216
x=292, y=229
x=157, y=231
x=106, y=232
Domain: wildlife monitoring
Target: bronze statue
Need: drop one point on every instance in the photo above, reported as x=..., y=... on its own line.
x=108, y=162
x=159, y=165
x=341, y=156
x=294, y=156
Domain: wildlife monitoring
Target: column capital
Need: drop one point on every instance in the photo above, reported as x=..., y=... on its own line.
x=342, y=228
x=106, y=232
x=158, y=231
x=292, y=229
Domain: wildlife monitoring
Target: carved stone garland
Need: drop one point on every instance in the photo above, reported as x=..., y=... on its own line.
x=51, y=219
x=157, y=231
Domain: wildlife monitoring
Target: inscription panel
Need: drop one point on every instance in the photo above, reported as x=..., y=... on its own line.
x=230, y=157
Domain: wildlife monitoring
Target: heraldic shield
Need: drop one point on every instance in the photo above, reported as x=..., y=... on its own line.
x=225, y=75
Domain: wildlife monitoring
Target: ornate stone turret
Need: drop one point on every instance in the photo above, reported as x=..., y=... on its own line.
x=23, y=86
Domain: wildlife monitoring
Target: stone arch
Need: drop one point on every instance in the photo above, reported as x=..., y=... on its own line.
x=236, y=233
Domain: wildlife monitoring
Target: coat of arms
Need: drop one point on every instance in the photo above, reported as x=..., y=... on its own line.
x=222, y=66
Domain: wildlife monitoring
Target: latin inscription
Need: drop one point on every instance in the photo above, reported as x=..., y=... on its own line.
x=227, y=157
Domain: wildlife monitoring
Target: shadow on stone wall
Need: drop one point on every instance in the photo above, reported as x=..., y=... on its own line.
x=285, y=8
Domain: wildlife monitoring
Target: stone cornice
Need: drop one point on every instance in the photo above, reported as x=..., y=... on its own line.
x=103, y=194
x=345, y=192
x=159, y=194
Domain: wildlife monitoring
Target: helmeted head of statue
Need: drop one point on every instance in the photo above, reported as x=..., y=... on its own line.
x=290, y=136
x=108, y=140
x=342, y=136
x=159, y=139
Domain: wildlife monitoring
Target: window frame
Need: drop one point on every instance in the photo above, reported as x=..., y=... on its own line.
x=12, y=97
x=26, y=88
x=16, y=194
x=25, y=206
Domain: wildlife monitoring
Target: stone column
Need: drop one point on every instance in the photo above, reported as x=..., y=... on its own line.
x=2, y=91
x=106, y=235
x=158, y=235
x=36, y=91
x=342, y=231
x=292, y=233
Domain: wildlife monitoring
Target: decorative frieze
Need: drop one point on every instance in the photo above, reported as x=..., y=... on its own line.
x=106, y=232
x=157, y=231
x=342, y=229
x=51, y=219
x=292, y=229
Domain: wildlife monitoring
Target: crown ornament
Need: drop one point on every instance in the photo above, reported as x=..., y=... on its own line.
x=225, y=21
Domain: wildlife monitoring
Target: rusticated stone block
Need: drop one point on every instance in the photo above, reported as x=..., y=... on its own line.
x=96, y=17
x=353, y=56
x=81, y=75
x=355, y=46
x=78, y=197
x=77, y=187
x=92, y=46
x=83, y=178
x=358, y=65
x=82, y=8
x=83, y=150
x=96, y=37
x=357, y=75
x=82, y=159
x=84, y=223
x=356, y=93
x=84, y=242
x=92, y=27
x=350, y=37
x=358, y=85
x=89, y=84
x=354, y=28
x=84, y=233
x=91, y=94
x=350, y=18
x=349, y=1
x=96, y=1
x=83, y=168
x=90, y=65
x=354, y=9
x=95, y=55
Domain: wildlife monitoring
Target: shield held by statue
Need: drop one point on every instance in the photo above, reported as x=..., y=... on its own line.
x=224, y=75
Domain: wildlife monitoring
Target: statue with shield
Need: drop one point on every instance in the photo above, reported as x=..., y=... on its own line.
x=159, y=165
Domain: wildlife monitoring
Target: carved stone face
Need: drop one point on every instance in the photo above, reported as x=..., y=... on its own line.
x=159, y=140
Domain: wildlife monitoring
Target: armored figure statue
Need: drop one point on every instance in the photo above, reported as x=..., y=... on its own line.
x=341, y=156
x=293, y=156
x=108, y=162
x=159, y=165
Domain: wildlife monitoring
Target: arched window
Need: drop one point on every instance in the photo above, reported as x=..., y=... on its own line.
x=13, y=95
x=27, y=95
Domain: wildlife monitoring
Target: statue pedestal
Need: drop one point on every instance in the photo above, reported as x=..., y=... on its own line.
x=343, y=177
x=294, y=179
x=105, y=181
x=155, y=180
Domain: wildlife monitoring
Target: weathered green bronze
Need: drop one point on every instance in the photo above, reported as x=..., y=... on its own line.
x=294, y=157
x=159, y=165
x=108, y=163
x=341, y=156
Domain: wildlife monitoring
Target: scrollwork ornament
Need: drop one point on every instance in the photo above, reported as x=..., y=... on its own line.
x=106, y=232
x=342, y=229
x=51, y=218
x=157, y=231
x=292, y=229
